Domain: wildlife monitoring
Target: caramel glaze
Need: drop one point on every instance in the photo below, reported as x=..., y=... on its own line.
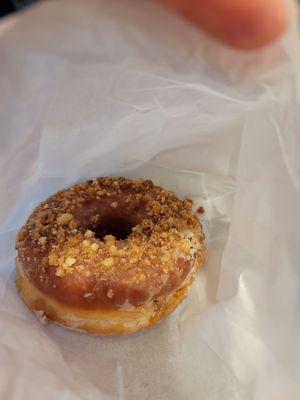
x=110, y=243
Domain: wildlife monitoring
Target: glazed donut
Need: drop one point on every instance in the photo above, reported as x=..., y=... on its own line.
x=109, y=256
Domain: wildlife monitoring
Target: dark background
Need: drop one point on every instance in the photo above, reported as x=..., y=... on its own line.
x=8, y=6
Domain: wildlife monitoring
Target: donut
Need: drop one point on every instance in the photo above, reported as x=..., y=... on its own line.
x=109, y=256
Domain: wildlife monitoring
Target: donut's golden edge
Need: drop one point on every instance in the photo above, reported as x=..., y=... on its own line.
x=104, y=322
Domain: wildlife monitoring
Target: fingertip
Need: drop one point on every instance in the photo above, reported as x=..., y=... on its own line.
x=257, y=25
x=241, y=24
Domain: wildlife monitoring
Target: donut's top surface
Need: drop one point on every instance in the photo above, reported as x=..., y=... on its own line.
x=110, y=242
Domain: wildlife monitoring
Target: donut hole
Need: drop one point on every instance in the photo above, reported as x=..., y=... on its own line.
x=119, y=227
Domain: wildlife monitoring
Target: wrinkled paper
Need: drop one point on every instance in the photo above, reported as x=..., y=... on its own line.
x=126, y=88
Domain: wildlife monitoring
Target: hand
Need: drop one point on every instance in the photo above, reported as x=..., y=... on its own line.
x=246, y=24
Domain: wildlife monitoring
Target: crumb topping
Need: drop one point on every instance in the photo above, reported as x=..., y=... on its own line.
x=61, y=234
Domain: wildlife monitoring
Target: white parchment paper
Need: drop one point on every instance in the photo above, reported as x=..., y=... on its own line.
x=91, y=88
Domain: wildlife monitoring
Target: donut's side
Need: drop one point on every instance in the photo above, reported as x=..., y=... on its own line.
x=103, y=322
